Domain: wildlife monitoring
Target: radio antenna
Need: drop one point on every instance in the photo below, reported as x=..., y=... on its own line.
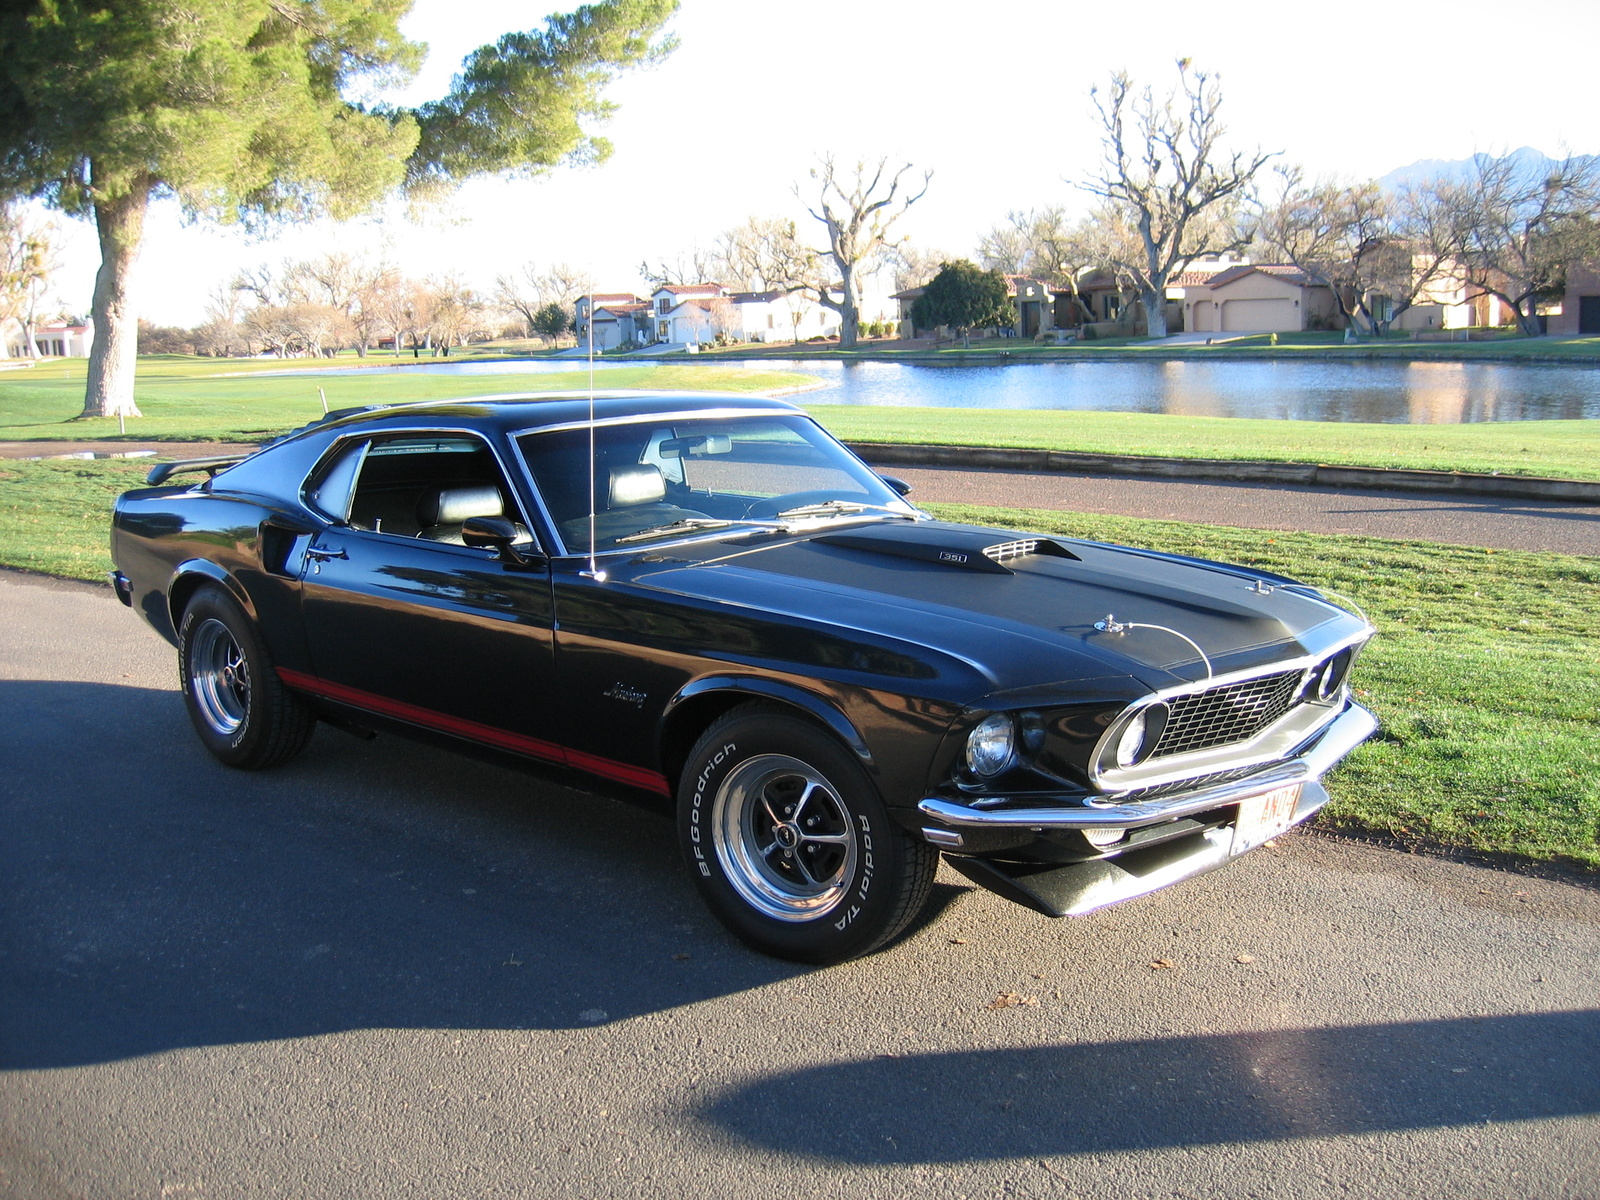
x=594, y=572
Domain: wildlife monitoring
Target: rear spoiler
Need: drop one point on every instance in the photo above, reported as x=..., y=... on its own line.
x=162, y=472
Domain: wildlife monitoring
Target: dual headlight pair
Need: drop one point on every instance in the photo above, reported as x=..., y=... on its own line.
x=992, y=744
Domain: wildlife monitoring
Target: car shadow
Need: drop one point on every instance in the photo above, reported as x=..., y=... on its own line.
x=1041, y=1101
x=152, y=899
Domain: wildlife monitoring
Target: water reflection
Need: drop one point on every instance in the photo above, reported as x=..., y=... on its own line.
x=1385, y=393
x=1414, y=393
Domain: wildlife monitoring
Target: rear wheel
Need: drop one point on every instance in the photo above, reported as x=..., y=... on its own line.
x=791, y=845
x=241, y=710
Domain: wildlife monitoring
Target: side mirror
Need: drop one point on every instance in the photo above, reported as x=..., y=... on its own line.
x=898, y=484
x=498, y=534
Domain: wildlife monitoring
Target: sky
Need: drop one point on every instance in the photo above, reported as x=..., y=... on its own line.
x=993, y=99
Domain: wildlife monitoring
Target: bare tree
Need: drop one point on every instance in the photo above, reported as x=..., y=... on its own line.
x=914, y=265
x=765, y=254
x=1523, y=223
x=858, y=206
x=26, y=261
x=694, y=265
x=525, y=292
x=1379, y=253
x=1166, y=175
x=455, y=309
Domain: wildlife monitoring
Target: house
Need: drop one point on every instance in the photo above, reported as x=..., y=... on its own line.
x=597, y=301
x=1034, y=307
x=57, y=340
x=699, y=313
x=1579, y=314
x=1258, y=298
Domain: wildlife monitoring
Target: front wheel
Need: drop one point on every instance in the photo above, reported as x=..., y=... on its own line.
x=241, y=710
x=790, y=844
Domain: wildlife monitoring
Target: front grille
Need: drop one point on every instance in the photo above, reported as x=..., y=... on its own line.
x=1220, y=716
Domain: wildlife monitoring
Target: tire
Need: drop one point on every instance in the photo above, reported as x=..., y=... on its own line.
x=241, y=710
x=790, y=844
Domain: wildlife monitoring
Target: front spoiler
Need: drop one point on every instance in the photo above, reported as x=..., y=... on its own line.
x=1060, y=891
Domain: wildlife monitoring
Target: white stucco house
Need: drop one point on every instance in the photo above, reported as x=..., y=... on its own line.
x=56, y=340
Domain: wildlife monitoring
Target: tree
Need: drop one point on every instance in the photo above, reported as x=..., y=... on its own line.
x=964, y=297
x=26, y=261
x=858, y=206
x=914, y=265
x=1167, y=178
x=551, y=321
x=1522, y=225
x=530, y=290
x=766, y=254
x=1379, y=253
x=248, y=110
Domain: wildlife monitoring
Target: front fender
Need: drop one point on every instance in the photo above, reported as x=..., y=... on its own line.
x=697, y=691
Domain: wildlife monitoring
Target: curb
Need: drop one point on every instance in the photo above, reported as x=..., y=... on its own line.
x=1461, y=483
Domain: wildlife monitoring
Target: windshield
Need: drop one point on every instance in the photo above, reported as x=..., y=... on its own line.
x=681, y=477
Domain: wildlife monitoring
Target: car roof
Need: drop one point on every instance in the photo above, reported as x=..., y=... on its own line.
x=514, y=413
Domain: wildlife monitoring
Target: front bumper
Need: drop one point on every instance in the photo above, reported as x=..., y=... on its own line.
x=1080, y=887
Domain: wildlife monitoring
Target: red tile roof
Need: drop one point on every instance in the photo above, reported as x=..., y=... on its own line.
x=608, y=298
x=1287, y=272
x=691, y=289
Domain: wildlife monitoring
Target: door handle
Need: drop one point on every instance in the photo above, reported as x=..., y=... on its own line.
x=318, y=554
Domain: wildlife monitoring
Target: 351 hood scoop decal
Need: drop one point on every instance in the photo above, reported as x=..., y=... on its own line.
x=946, y=547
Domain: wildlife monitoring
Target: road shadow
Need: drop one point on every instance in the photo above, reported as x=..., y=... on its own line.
x=152, y=899
x=1043, y=1101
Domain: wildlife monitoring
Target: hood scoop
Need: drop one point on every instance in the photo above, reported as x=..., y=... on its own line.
x=971, y=551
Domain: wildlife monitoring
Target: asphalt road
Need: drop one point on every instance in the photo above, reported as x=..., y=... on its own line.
x=1459, y=520
x=386, y=971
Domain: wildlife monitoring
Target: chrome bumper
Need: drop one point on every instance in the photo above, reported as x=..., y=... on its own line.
x=1342, y=735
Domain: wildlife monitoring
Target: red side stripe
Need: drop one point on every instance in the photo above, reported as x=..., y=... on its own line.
x=594, y=764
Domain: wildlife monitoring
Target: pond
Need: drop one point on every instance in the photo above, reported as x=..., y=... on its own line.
x=1380, y=392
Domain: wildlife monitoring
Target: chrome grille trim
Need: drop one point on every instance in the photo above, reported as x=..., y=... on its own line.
x=1233, y=712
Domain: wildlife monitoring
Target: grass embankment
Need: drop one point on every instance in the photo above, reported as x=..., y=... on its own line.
x=1566, y=449
x=1260, y=346
x=1486, y=671
x=230, y=400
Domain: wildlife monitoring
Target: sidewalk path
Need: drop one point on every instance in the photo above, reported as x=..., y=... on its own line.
x=1458, y=520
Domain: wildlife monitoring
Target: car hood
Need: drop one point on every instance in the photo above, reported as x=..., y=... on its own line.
x=1021, y=610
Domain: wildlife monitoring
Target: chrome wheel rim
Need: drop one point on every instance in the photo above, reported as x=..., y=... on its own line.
x=784, y=838
x=219, y=678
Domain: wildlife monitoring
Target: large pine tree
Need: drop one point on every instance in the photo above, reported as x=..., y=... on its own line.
x=256, y=110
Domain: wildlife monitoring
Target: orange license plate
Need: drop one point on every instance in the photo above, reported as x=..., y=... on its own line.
x=1265, y=816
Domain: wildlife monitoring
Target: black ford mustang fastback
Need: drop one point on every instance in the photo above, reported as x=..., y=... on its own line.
x=709, y=598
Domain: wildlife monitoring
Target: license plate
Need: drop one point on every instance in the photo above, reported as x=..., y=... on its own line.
x=1265, y=816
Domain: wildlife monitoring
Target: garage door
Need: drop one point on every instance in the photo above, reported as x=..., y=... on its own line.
x=1260, y=316
x=1205, y=317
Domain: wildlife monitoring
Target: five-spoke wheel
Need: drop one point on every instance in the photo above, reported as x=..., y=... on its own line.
x=790, y=843
x=241, y=710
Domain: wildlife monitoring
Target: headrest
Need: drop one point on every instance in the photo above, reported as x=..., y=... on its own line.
x=453, y=505
x=638, y=484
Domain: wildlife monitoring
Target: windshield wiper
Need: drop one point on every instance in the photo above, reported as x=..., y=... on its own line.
x=690, y=525
x=839, y=508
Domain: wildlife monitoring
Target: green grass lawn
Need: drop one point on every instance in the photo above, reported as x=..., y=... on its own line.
x=1568, y=449
x=208, y=399
x=1485, y=672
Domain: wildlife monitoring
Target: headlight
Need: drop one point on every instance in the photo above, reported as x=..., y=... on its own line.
x=1140, y=736
x=991, y=746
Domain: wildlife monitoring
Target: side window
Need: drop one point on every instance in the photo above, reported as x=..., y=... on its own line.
x=426, y=485
x=331, y=491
